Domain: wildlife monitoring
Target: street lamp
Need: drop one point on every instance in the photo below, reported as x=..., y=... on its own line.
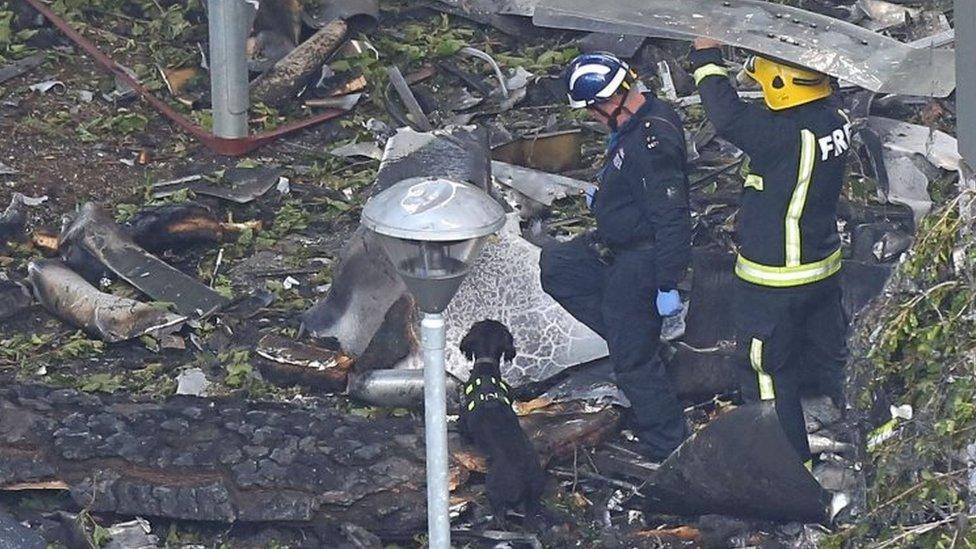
x=433, y=229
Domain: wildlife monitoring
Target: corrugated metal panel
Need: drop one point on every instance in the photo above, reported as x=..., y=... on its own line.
x=832, y=46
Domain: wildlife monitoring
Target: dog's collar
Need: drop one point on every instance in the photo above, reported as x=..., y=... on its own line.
x=486, y=360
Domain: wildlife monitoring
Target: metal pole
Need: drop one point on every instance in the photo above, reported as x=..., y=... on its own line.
x=432, y=337
x=394, y=388
x=228, y=22
x=964, y=15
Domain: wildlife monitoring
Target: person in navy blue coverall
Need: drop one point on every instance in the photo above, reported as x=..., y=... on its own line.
x=622, y=278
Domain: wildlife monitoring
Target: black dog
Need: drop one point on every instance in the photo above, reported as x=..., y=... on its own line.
x=487, y=419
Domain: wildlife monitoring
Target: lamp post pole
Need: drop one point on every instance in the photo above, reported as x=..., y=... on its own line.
x=432, y=229
x=227, y=22
x=432, y=337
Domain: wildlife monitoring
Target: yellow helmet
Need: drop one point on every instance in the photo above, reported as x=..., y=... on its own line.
x=786, y=86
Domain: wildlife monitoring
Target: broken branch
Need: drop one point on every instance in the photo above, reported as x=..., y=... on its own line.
x=287, y=77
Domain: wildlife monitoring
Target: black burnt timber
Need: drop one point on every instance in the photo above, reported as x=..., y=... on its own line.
x=227, y=460
x=215, y=460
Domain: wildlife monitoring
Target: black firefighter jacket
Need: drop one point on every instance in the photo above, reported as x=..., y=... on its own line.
x=787, y=223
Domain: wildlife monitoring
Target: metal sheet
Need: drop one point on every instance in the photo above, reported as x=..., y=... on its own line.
x=94, y=232
x=965, y=18
x=365, y=288
x=621, y=45
x=555, y=152
x=524, y=8
x=365, y=293
x=21, y=66
x=835, y=47
x=697, y=478
x=540, y=186
x=936, y=146
x=418, y=118
x=907, y=184
x=884, y=14
x=508, y=16
x=939, y=40
x=243, y=184
x=361, y=13
x=909, y=152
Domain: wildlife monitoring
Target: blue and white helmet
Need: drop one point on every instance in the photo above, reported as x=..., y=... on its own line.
x=595, y=77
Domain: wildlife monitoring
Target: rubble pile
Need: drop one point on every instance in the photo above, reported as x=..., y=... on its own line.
x=189, y=339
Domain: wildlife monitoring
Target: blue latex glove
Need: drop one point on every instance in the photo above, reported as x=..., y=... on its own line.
x=590, y=193
x=668, y=302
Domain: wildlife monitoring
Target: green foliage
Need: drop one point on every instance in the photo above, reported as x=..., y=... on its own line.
x=221, y=284
x=70, y=9
x=31, y=351
x=291, y=217
x=539, y=59
x=238, y=367
x=88, y=131
x=102, y=383
x=920, y=352
x=171, y=26
x=97, y=535
x=421, y=41
x=6, y=27
x=128, y=123
x=79, y=346
x=203, y=118
x=21, y=347
x=287, y=299
x=124, y=212
x=268, y=116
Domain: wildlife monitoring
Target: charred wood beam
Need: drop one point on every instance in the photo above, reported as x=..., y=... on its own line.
x=227, y=460
x=281, y=84
x=224, y=461
x=288, y=362
x=14, y=218
x=14, y=297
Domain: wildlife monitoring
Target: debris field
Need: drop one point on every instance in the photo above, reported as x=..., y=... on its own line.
x=200, y=346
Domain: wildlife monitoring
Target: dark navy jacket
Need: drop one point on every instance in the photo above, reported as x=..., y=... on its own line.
x=643, y=196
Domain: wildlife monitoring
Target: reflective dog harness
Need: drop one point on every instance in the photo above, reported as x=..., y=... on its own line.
x=484, y=388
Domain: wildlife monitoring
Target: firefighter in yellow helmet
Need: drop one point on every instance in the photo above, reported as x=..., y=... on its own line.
x=786, y=86
x=789, y=320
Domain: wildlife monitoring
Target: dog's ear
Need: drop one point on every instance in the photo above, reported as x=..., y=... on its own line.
x=510, y=351
x=467, y=345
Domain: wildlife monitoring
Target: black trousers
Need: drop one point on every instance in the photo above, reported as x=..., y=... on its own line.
x=617, y=301
x=790, y=341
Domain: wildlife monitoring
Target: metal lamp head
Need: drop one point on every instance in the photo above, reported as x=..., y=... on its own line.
x=432, y=229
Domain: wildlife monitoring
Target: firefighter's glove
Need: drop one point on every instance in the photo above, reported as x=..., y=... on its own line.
x=668, y=302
